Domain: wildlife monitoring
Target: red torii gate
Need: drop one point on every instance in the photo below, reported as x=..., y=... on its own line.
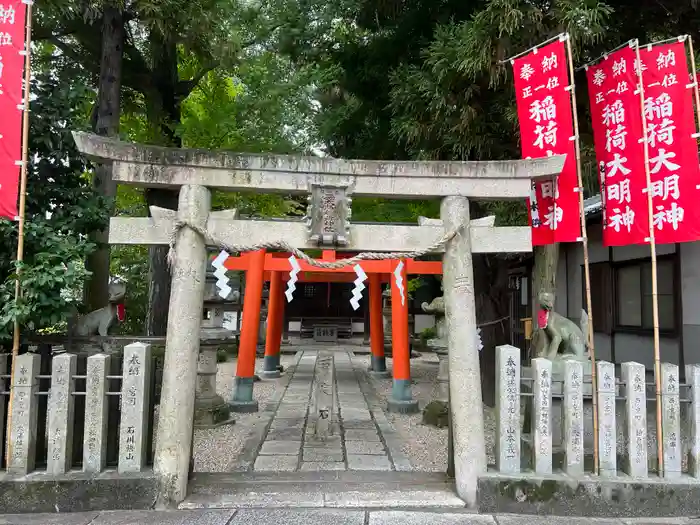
x=274, y=267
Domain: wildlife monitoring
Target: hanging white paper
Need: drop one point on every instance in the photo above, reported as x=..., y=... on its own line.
x=359, y=286
x=220, y=274
x=399, y=281
x=292, y=278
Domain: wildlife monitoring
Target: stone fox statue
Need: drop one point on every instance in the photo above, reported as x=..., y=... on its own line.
x=564, y=336
x=99, y=321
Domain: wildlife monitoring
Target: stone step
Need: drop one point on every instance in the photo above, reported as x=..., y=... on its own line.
x=345, y=499
x=367, y=490
x=338, y=498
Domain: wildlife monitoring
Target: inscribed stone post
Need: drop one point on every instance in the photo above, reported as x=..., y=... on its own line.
x=573, y=417
x=466, y=408
x=692, y=377
x=176, y=411
x=95, y=437
x=61, y=414
x=607, y=444
x=324, y=396
x=633, y=376
x=22, y=456
x=135, y=398
x=542, y=415
x=508, y=409
x=671, y=420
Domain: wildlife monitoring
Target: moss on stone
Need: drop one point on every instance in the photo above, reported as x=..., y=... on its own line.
x=436, y=413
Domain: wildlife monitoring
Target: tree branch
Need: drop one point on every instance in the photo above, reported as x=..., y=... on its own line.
x=90, y=65
x=44, y=33
x=185, y=87
x=257, y=40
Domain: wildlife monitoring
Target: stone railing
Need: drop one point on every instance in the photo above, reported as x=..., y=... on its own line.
x=558, y=428
x=85, y=421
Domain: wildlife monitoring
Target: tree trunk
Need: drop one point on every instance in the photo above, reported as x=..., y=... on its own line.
x=492, y=305
x=544, y=278
x=164, y=114
x=159, y=274
x=106, y=122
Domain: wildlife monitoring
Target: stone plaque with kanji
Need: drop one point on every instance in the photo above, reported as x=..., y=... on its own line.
x=328, y=215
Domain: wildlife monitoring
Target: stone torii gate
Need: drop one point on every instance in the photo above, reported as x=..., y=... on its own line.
x=332, y=181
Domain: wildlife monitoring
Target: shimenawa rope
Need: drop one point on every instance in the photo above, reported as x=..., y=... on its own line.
x=284, y=246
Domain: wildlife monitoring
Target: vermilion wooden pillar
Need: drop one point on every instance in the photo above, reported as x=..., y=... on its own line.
x=401, y=399
x=376, y=326
x=275, y=318
x=252, y=301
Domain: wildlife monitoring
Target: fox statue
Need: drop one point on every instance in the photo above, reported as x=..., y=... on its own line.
x=564, y=336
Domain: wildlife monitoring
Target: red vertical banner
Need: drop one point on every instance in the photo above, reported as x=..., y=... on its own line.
x=617, y=133
x=546, y=128
x=672, y=143
x=12, y=27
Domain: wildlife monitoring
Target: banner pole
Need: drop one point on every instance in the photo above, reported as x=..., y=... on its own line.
x=607, y=53
x=696, y=91
x=680, y=38
x=586, y=265
x=541, y=44
x=654, y=283
x=22, y=205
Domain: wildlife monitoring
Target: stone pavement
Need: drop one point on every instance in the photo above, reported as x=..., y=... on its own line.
x=362, y=438
x=316, y=517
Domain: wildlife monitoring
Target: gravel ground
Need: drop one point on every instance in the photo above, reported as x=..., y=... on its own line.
x=216, y=449
x=424, y=445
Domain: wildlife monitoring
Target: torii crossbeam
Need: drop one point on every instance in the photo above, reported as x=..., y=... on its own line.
x=330, y=183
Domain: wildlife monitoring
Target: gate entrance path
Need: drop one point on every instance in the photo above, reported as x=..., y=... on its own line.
x=361, y=463
x=330, y=184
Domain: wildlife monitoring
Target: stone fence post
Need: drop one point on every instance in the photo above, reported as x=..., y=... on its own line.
x=24, y=415
x=607, y=427
x=671, y=420
x=634, y=378
x=508, y=409
x=542, y=415
x=573, y=418
x=136, y=391
x=95, y=438
x=692, y=377
x=61, y=412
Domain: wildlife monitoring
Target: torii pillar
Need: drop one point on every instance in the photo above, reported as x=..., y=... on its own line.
x=196, y=171
x=467, y=415
x=376, y=327
x=401, y=400
x=275, y=319
x=242, y=400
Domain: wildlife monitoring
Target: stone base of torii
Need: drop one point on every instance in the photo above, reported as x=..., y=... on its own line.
x=195, y=171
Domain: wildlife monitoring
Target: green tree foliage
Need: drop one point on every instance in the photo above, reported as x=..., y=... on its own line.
x=263, y=105
x=61, y=206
